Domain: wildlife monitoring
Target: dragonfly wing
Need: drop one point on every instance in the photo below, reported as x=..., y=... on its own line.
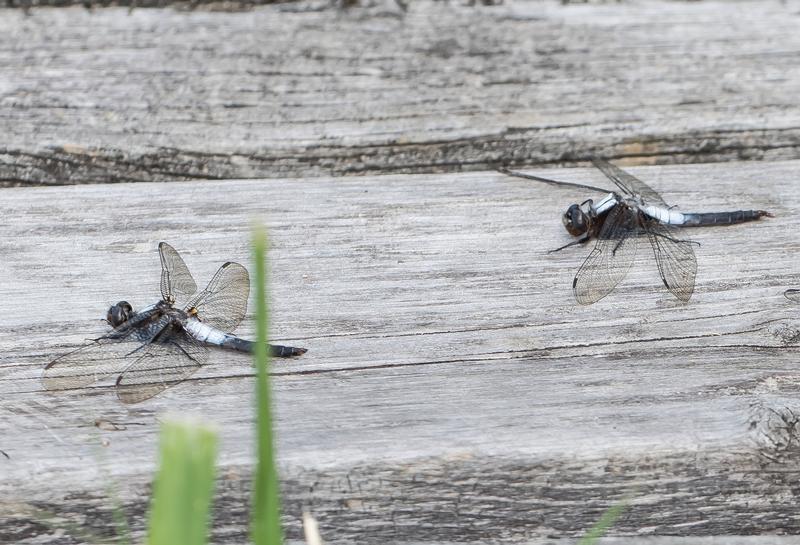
x=550, y=181
x=675, y=258
x=176, y=280
x=108, y=355
x=160, y=365
x=612, y=257
x=223, y=303
x=90, y=363
x=628, y=183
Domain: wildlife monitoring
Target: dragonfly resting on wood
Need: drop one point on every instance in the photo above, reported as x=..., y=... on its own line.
x=163, y=344
x=623, y=217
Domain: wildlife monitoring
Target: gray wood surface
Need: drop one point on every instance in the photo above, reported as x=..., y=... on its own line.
x=298, y=90
x=453, y=391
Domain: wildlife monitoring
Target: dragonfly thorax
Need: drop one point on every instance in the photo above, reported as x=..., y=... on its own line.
x=605, y=204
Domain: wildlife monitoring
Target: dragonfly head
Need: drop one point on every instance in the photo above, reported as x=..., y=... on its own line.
x=575, y=220
x=119, y=313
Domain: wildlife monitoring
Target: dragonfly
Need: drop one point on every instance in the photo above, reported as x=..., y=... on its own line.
x=620, y=220
x=163, y=344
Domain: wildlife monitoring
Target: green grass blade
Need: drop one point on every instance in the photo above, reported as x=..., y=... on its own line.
x=265, y=525
x=184, y=485
x=606, y=521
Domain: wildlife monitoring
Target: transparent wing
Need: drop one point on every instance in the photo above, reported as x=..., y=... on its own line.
x=612, y=257
x=628, y=183
x=792, y=295
x=550, y=181
x=676, y=261
x=108, y=355
x=159, y=366
x=223, y=303
x=90, y=363
x=177, y=283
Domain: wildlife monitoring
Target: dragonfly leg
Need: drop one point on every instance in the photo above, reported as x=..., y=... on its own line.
x=157, y=337
x=582, y=240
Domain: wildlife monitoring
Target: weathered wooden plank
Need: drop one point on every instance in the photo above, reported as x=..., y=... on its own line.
x=213, y=5
x=453, y=391
x=286, y=90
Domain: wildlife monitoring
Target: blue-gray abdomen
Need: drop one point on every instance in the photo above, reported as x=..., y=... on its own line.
x=724, y=218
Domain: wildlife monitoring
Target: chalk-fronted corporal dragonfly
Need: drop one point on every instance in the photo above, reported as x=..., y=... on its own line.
x=163, y=344
x=619, y=220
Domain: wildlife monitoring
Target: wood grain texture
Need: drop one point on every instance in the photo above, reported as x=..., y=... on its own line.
x=211, y=5
x=294, y=90
x=453, y=391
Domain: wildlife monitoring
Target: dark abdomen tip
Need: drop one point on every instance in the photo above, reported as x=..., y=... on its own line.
x=287, y=351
